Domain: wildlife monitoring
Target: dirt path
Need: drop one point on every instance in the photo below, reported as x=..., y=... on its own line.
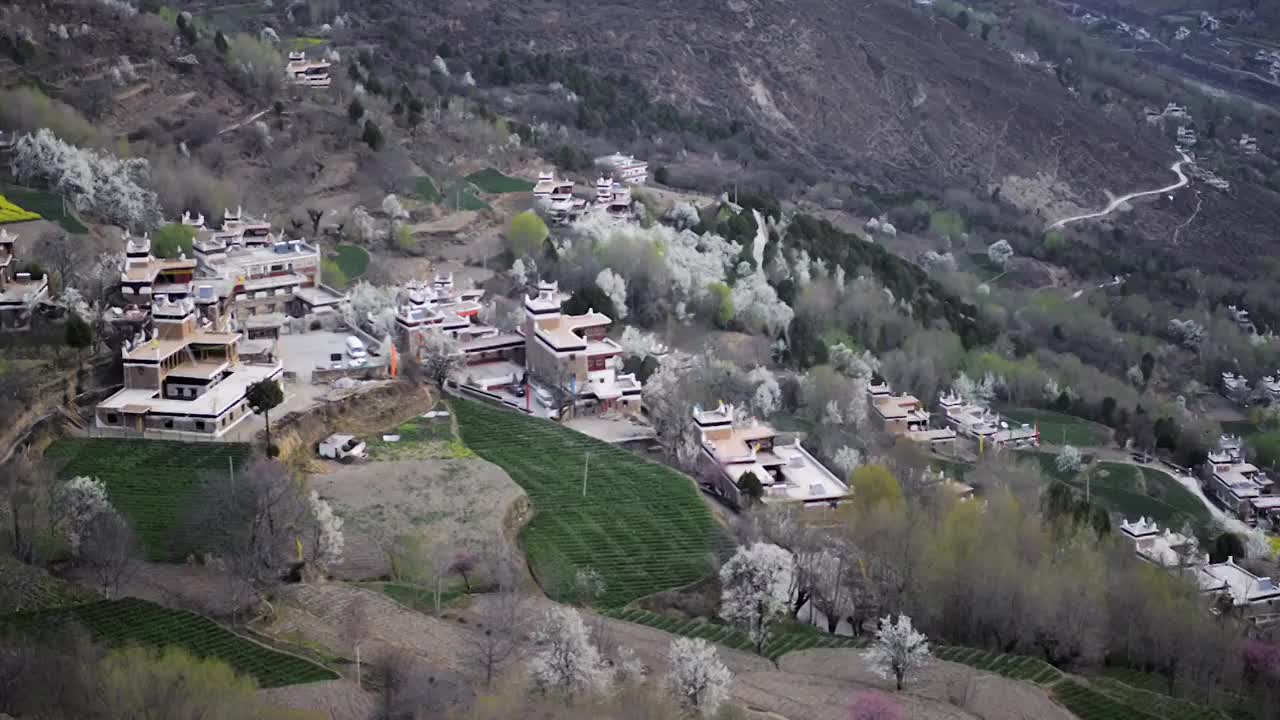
x=1116, y=203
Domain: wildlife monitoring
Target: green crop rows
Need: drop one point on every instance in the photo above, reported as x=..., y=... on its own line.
x=119, y=622
x=1018, y=667
x=642, y=526
x=493, y=182
x=789, y=638
x=148, y=480
x=1156, y=703
x=48, y=205
x=1089, y=704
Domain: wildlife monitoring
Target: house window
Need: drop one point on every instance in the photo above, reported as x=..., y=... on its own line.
x=168, y=424
x=200, y=425
x=112, y=419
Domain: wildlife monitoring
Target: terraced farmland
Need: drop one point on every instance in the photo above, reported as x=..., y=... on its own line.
x=641, y=525
x=791, y=638
x=494, y=182
x=148, y=480
x=1018, y=667
x=11, y=213
x=1089, y=704
x=120, y=622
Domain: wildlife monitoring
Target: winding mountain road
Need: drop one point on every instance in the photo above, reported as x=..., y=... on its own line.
x=1176, y=168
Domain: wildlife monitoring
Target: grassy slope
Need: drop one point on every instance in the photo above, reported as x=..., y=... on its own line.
x=129, y=620
x=148, y=480
x=641, y=525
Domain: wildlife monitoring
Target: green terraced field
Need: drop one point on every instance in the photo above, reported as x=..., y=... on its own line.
x=493, y=182
x=1089, y=704
x=788, y=638
x=130, y=620
x=641, y=525
x=1056, y=428
x=148, y=480
x=1018, y=667
x=352, y=260
x=47, y=205
x=1132, y=491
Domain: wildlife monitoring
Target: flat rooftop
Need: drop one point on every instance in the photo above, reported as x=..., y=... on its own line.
x=157, y=350
x=1244, y=586
x=802, y=477
x=23, y=292
x=217, y=400
x=319, y=296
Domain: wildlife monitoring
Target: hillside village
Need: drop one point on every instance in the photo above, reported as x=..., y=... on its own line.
x=347, y=381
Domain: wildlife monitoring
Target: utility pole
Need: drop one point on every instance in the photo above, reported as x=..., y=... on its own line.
x=586, y=466
x=231, y=470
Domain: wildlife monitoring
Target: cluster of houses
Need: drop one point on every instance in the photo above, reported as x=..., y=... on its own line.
x=612, y=190
x=1239, y=486
x=307, y=73
x=204, y=328
x=1232, y=587
x=553, y=358
x=19, y=291
x=905, y=416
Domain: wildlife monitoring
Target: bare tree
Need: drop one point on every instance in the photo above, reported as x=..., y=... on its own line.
x=496, y=636
x=355, y=628
x=31, y=510
x=255, y=520
x=60, y=254
x=109, y=550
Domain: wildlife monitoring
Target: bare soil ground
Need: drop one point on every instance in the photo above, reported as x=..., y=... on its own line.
x=339, y=699
x=198, y=588
x=450, y=503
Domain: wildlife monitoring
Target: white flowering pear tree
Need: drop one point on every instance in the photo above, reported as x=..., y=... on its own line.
x=567, y=662
x=441, y=356
x=756, y=586
x=1069, y=460
x=329, y=540
x=767, y=397
x=697, y=680
x=615, y=286
x=81, y=500
x=898, y=649
x=999, y=253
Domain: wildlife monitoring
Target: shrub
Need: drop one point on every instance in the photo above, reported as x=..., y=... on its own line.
x=26, y=109
x=258, y=66
x=526, y=234
x=372, y=135
x=173, y=239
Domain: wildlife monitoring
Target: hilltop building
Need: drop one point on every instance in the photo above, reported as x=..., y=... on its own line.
x=144, y=275
x=730, y=450
x=980, y=424
x=1163, y=548
x=307, y=73
x=1247, y=593
x=557, y=195
x=573, y=354
x=19, y=291
x=613, y=198
x=1235, y=387
x=905, y=415
x=438, y=307
x=262, y=274
x=185, y=376
x=626, y=168
x=1240, y=486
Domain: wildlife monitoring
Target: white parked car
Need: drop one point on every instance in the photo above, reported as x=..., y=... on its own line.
x=355, y=348
x=343, y=448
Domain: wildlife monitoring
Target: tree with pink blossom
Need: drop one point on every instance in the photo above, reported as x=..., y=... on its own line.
x=875, y=705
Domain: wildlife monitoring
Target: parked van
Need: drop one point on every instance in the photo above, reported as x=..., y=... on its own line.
x=545, y=397
x=355, y=348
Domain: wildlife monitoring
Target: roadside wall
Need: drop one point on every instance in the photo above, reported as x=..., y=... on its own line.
x=365, y=412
